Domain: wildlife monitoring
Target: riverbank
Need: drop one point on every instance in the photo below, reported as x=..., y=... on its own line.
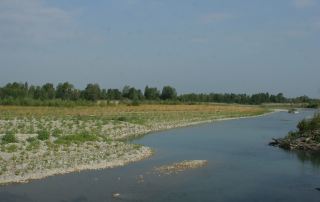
x=306, y=138
x=91, y=137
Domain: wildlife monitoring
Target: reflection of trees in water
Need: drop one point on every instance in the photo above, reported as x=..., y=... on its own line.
x=313, y=157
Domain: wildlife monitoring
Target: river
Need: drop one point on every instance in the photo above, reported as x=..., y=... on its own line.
x=241, y=167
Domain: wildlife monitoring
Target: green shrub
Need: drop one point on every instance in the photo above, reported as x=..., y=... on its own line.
x=122, y=118
x=313, y=105
x=12, y=148
x=303, y=125
x=35, y=144
x=309, y=125
x=293, y=135
x=9, y=138
x=43, y=135
x=76, y=138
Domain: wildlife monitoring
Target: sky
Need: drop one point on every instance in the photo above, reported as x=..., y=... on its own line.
x=246, y=46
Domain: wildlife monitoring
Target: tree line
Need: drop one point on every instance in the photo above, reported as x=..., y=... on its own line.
x=22, y=93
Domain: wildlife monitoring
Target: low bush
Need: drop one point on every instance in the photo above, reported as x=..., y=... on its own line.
x=12, y=148
x=309, y=124
x=9, y=138
x=43, y=135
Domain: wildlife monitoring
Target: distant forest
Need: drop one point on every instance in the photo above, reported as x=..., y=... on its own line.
x=50, y=95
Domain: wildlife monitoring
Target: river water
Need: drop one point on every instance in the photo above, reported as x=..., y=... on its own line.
x=242, y=167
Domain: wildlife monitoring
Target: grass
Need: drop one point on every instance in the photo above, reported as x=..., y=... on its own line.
x=76, y=138
x=120, y=110
x=9, y=138
x=11, y=148
x=33, y=145
x=43, y=135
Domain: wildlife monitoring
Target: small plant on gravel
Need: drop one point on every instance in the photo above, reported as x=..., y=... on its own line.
x=12, y=148
x=9, y=138
x=43, y=135
x=76, y=138
x=33, y=145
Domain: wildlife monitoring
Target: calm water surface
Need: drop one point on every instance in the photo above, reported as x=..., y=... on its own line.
x=242, y=167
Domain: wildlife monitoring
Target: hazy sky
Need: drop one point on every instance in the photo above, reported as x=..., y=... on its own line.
x=241, y=46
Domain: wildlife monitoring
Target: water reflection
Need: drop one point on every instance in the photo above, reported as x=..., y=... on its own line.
x=308, y=157
x=11, y=197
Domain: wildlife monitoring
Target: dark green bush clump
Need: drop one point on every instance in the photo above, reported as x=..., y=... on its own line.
x=309, y=125
x=9, y=138
x=43, y=135
x=313, y=105
x=122, y=118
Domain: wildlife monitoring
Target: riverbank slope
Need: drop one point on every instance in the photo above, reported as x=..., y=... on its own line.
x=37, y=142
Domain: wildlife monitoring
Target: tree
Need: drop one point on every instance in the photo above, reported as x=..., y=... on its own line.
x=151, y=93
x=168, y=93
x=92, y=92
x=132, y=93
x=47, y=91
x=125, y=91
x=135, y=94
x=66, y=91
x=14, y=90
x=280, y=98
x=113, y=94
x=37, y=93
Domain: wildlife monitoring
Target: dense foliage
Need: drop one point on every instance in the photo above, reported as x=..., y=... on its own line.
x=308, y=128
x=65, y=94
x=9, y=138
x=309, y=125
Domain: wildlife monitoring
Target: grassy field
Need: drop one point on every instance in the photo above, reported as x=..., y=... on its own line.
x=36, y=142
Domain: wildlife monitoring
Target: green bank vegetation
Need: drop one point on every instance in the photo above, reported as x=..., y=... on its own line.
x=65, y=94
x=306, y=137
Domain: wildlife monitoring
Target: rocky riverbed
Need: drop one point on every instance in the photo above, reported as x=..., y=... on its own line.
x=181, y=166
x=301, y=143
x=37, y=142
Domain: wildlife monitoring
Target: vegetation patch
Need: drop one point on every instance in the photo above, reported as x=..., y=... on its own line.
x=11, y=148
x=76, y=138
x=9, y=138
x=43, y=135
x=34, y=144
x=307, y=136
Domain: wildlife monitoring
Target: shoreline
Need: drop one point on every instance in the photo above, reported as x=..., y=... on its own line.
x=144, y=152
x=195, y=123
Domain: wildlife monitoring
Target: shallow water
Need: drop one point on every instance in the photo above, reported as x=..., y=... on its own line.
x=242, y=167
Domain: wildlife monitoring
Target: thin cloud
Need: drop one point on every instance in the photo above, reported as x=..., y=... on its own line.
x=33, y=21
x=215, y=17
x=303, y=3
